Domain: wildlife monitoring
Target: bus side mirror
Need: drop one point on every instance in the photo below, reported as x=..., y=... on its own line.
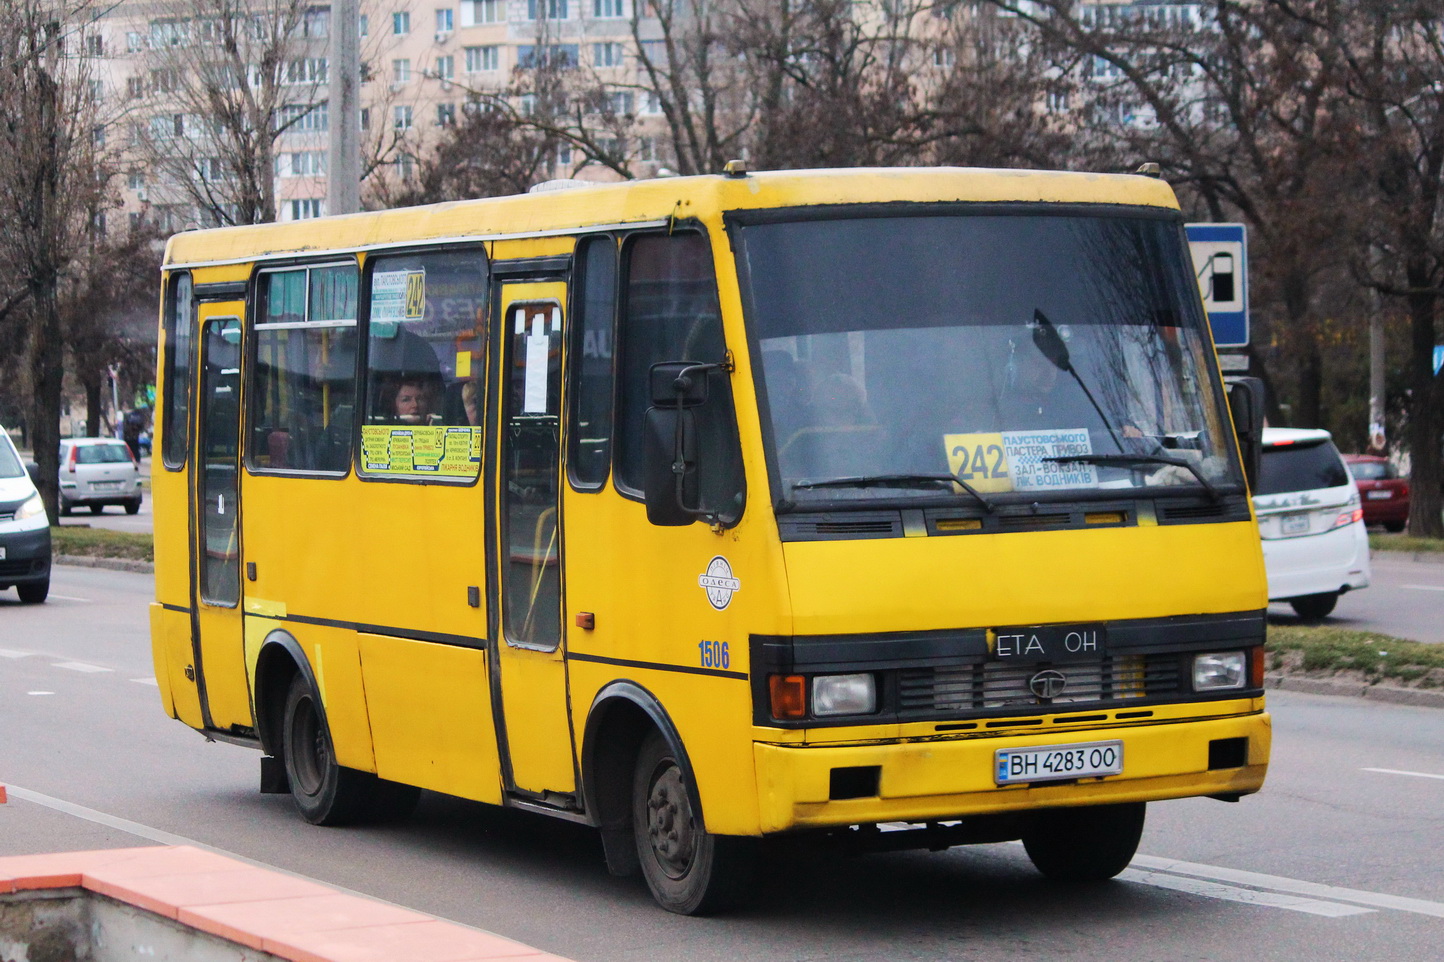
x=1246, y=404
x=669, y=483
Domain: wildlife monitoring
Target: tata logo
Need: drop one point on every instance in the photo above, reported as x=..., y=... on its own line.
x=1048, y=683
x=719, y=583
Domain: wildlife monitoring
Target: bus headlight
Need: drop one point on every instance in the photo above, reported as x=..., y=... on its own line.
x=33, y=506
x=843, y=695
x=1220, y=671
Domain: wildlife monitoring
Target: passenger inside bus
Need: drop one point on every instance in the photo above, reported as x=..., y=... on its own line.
x=412, y=401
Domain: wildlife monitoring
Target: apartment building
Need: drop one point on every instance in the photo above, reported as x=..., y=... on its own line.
x=158, y=68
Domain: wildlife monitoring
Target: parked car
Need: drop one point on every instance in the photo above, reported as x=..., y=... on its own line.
x=24, y=529
x=1311, y=522
x=96, y=472
x=1385, y=495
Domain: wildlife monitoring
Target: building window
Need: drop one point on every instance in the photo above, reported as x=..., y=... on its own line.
x=97, y=136
x=564, y=155
x=475, y=12
x=400, y=71
x=444, y=22
x=135, y=87
x=546, y=9
x=445, y=115
x=317, y=22
x=135, y=180
x=365, y=118
x=364, y=26
x=607, y=9
x=446, y=68
x=944, y=57
x=305, y=208
x=304, y=163
x=479, y=59
x=401, y=23
x=134, y=42
x=401, y=117
x=306, y=70
x=312, y=117
x=558, y=56
x=607, y=54
x=95, y=45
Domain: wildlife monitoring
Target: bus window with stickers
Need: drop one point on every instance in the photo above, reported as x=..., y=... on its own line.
x=423, y=366
x=1041, y=355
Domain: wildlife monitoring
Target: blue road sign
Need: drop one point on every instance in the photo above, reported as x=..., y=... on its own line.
x=1220, y=262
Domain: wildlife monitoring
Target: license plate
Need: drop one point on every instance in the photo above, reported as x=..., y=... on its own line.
x=1296, y=524
x=1379, y=495
x=106, y=485
x=1012, y=766
x=1049, y=643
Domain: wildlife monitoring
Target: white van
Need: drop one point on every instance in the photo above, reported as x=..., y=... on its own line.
x=24, y=528
x=1312, y=524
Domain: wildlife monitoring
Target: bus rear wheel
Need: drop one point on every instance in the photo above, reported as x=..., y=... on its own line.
x=689, y=870
x=325, y=792
x=1084, y=844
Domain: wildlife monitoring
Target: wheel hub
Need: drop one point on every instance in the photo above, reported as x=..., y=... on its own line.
x=669, y=823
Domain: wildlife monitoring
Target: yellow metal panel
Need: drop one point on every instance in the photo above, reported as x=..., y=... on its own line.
x=1024, y=578
x=430, y=708
x=170, y=643
x=949, y=778
x=334, y=660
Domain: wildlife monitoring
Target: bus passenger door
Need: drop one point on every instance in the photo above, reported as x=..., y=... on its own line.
x=215, y=524
x=525, y=579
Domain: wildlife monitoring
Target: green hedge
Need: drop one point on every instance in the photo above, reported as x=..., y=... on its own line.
x=1321, y=649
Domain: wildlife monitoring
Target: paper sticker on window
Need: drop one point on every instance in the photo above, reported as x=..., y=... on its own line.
x=427, y=450
x=398, y=295
x=1018, y=460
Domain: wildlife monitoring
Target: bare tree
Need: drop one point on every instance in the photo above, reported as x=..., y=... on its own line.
x=49, y=181
x=225, y=80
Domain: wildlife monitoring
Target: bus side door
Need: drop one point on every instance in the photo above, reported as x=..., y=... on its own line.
x=525, y=577
x=215, y=502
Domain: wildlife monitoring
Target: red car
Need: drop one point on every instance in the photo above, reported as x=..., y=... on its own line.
x=1384, y=494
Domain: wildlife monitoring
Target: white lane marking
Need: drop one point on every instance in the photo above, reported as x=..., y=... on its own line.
x=84, y=601
x=40, y=693
x=146, y=681
x=11, y=653
x=1395, y=771
x=1231, y=893
x=1294, y=886
x=1425, y=587
x=80, y=666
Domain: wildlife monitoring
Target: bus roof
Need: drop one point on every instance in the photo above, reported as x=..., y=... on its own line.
x=638, y=202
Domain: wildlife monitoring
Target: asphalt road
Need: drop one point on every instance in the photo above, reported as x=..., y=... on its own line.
x=1336, y=859
x=1405, y=599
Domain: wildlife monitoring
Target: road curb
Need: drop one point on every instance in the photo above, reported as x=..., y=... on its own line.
x=1420, y=557
x=1419, y=697
x=112, y=564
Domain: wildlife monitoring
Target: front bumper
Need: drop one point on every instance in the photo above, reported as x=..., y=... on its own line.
x=943, y=778
x=27, y=552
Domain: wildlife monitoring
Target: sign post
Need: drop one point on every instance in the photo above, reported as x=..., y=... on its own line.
x=1220, y=262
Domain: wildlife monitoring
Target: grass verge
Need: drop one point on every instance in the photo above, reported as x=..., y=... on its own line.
x=1364, y=655
x=1403, y=542
x=99, y=543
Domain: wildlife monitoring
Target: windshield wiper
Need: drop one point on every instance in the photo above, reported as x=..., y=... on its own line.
x=898, y=481
x=1127, y=460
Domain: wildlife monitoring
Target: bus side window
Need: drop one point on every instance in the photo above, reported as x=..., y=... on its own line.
x=589, y=436
x=671, y=313
x=423, y=400
x=303, y=393
x=179, y=316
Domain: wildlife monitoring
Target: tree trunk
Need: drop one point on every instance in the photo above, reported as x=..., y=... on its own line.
x=94, y=391
x=47, y=370
x=1425, y=425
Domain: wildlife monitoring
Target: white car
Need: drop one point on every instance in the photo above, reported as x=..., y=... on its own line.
x=96, y=472
x=24, y=529
x=1311, y=522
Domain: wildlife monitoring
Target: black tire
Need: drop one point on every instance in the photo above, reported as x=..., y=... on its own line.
x=689, y=870
x=1315, y=607
x=1084, y=844
x=324, y=792
x=97, y=508
x=35, y=592
x=1394, y=526
x=66, y=508
x=132, y=507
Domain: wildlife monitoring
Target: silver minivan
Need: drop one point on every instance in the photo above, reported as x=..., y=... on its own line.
x=24, y=529
x=95, y=472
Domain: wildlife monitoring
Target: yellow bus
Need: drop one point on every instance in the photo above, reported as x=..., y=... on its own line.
x=709, y=510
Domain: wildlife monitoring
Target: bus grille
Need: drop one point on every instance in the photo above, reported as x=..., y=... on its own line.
x=994, y=685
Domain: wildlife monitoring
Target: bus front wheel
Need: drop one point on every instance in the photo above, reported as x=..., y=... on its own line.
x=325, y=792
x=1084, y=844
x=689, y=870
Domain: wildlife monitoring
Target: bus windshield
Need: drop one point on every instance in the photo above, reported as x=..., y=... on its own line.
x=1024, y=354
